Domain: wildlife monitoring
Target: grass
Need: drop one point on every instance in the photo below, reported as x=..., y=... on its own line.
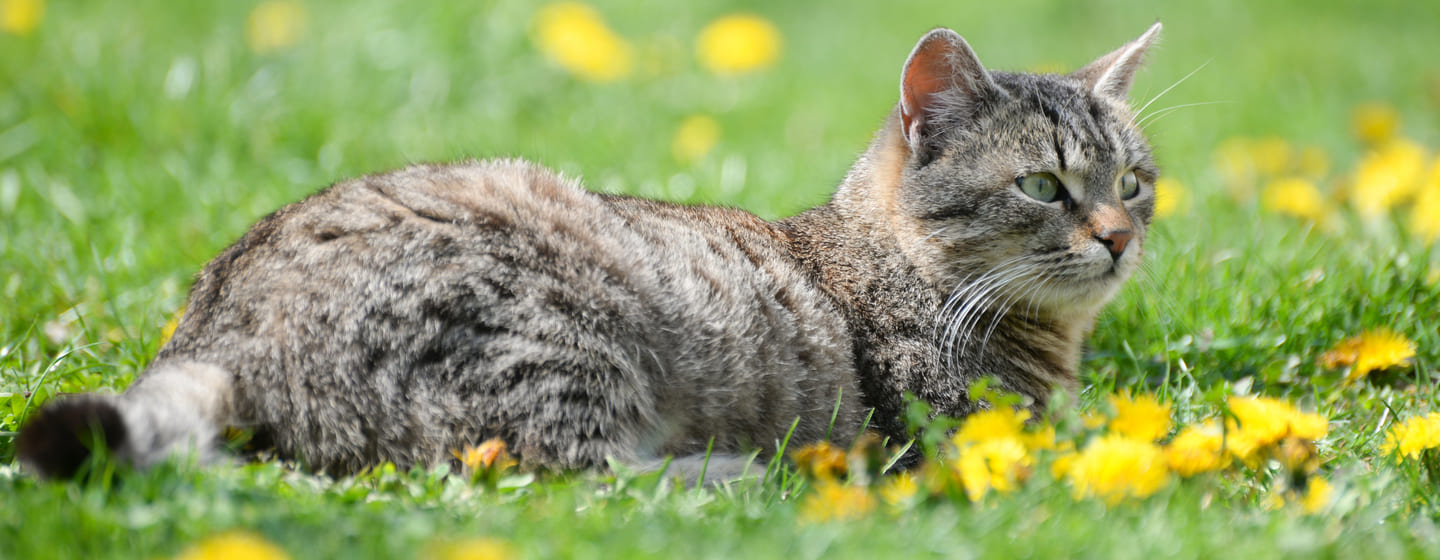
x=137, y=139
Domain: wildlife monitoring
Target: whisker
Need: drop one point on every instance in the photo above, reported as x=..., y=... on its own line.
x=980, y=289
x=957, y=303
x=1171, y=109
x=978, y=306
x=1157, y=97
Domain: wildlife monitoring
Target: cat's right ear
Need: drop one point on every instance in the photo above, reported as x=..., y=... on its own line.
x=942, y=76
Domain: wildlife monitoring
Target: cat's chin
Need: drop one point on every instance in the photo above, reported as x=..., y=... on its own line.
x=1083, y=296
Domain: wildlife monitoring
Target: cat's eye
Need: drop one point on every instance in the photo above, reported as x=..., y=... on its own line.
x=1129, y=186
x=1043, y=187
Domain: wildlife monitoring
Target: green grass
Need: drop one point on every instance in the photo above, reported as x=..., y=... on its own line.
x=120, y=177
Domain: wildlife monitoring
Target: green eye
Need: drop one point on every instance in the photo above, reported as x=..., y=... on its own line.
x=1043, y=187
x=1129, y=186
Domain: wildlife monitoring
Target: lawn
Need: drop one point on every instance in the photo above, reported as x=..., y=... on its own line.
x=1299, y=140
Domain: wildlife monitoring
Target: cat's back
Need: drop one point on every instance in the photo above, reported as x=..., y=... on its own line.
x=444, y=303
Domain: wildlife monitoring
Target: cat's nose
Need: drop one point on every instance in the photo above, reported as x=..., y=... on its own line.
x=1115, y=241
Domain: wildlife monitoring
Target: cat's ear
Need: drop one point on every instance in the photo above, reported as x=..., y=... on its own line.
x=942, y=75
x=1110, y=75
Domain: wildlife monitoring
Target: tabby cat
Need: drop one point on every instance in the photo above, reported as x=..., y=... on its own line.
x=400, y=316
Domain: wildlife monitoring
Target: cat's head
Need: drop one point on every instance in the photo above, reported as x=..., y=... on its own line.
x=1032, y=190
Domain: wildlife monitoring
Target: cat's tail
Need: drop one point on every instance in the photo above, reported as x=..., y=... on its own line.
x=175, y=407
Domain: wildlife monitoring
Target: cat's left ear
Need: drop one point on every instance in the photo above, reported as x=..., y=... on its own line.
x=1110, y=75
x=942, y=77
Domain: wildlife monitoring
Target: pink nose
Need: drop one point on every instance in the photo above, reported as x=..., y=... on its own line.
x=1115, y=241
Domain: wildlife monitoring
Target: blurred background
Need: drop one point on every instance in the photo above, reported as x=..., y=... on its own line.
x=139, y=138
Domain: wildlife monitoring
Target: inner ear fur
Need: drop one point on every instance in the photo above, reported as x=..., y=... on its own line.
x=1112, y=74
x=941, y=75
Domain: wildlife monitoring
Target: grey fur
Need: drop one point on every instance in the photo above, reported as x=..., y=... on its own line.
x=399, y=316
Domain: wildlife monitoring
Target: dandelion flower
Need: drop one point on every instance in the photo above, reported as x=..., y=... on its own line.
x=1061, y=465
x=1042, y=437
x=1272, y=155
x=1115, y=467
x=738, y=43
x=1387, y=176
x=1375, y=123
x=1318, y=494
x=832, y=501
x=899, y=490
x=1197, y=449
x=998, y=464
x=1295, y=197
x=576, y=37
x=821, y=460
x=1372, y=350
x=995, y=423
x=168, y=331
x=1297, y=454
x=274, y=26
x=1093, y=420
x=482, y=548
x=1425, y=215
x=1236, y=164
x=1141, y=417
x=1263, y=422
x=1170, y=197
x=1409, y=438
x=20, y=17
x=695, y=137
x=490, y=455
x=233, y=545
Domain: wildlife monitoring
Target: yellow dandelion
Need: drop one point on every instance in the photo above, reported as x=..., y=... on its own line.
x=1375, y=123
x=233, y=545
x=1060, y=466
x=738, y=43
x=1043, y=437
x=574, y=36
x=275, y=25
x=168, y=331
x=1372, y=350
x=1295, y=197
x=1093, y=420
x=1261, y=422
x=1170, y=197
x=490, y=455
x=695, y=137
x=995, y=423
x=1236, y=163
x=1273, y=155
x=994, y=464
x=1409, y=438
x=1425, y=215
x=899, y=490
x=821, y=460
x=1387, y=176
x=1115, y=467
x=832, y=501
x=1318, y=494
x=482, y=548
x=21, y=17
x=1196, y=449
x=1141, y=417
x=1297, y=454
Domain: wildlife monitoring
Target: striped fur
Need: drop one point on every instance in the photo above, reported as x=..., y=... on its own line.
x=399, y=316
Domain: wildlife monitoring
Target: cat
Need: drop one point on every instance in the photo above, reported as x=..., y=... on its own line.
x=400, y=316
